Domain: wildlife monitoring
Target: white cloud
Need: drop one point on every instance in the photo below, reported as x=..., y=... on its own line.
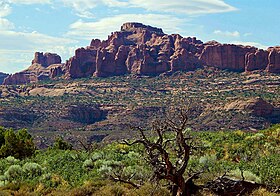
x=247, y=34
x=227, y=33
x=6, y=24
x=29, y=2
x=5, y=9
x=245, y=43
x=102, y=28
x=83, y=8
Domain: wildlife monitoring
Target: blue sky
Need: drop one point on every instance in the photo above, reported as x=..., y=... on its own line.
x=61, y=26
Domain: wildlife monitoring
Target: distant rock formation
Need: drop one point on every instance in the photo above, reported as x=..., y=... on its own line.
x=2, y=77
x=46, y=59
x=43, y=66
x=145, y=50
x=136, y=49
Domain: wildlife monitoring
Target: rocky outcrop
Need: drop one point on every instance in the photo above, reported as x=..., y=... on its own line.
x=84, y=114
x=44, y=66
x=256, y=106
x=2, y=77
x=139, y=27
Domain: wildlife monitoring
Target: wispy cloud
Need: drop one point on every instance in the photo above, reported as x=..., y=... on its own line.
x=83, y=8
x=189, y=7
x=29, y=2
x=227, y=33
x=247, y=34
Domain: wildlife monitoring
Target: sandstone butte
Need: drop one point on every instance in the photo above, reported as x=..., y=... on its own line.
x=145, y=50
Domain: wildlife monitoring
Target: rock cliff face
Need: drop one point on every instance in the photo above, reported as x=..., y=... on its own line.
x=145, y=50
x=274, y=60
x=226, y=56
x=257, y=60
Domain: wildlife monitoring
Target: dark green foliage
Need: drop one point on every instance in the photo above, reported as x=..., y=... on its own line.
x=17, y=144
x=61, y=144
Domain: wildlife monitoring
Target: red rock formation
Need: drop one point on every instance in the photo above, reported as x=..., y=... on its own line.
x=137, y=49
x=146, y=50
x=274, y=60
x=225, y=56
x=39, y=70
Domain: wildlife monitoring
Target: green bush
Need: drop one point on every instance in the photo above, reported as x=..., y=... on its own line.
x=14, y=173
x=32, y=169
x=17, y=144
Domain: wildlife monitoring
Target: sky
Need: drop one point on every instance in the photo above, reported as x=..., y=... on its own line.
x=61, y=26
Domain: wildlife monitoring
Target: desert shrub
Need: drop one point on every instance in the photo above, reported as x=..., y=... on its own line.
x=208, y=160
x=263, y=192
x=267, y=168
x=116, y=190
x=246, y=174
x=88, y=164
x=32, y=169
x=150, y=189
x=12, y=160
x=14, y=173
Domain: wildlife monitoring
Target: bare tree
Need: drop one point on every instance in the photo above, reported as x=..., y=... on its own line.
x=170, y=147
